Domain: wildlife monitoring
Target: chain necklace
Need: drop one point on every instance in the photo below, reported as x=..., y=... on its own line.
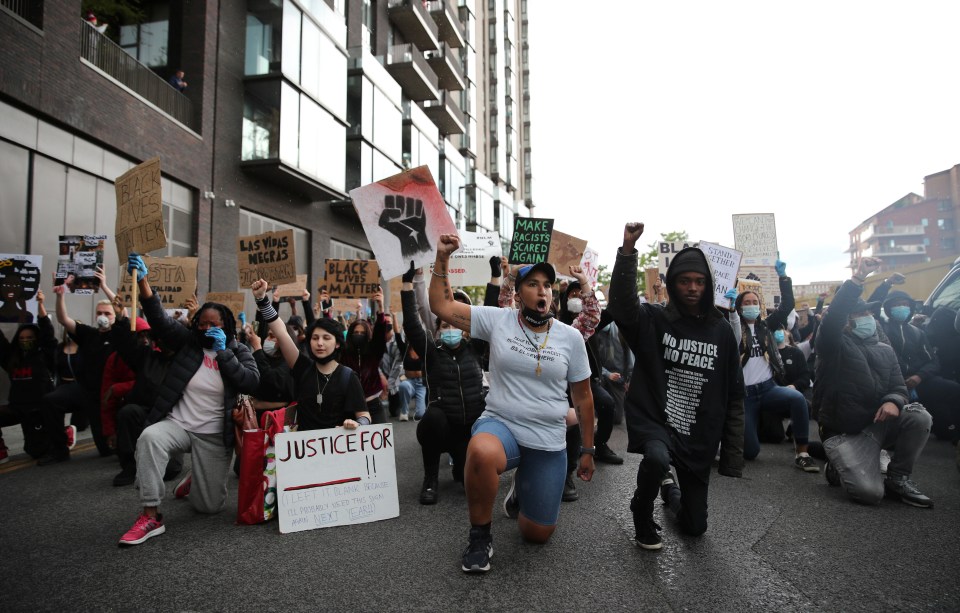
x=534, y=345
x=326, y=382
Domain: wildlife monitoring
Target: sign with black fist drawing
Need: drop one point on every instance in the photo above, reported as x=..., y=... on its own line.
x=403, y=217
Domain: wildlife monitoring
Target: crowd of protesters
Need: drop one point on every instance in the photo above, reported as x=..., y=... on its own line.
x=531, y=382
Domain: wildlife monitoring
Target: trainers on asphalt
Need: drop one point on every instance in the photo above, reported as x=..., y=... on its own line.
x=71, y=437
x=885, y=458
x=476, y=557
x=145, y=527
x=511, y=504
x=833, y=477
x=569, y=489
x=53, y=459
x=647, y=536
x=126, y=476
x=805, y=463
x=183, y=488
x=404, y=417
x=428, y=493
x=906, y=491
x=606, y=455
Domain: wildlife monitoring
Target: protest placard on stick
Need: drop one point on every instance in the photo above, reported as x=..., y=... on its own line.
x=651, y=276
x=270, y=256
x=173, y=280
x=565, y=251
x=80, y=256
x=403, y=217
x=139, y=227
x=20, y=279
x=725, y=263
x=530, y=243
x=755, y=235
x=232, y=300
x=591, y=265
x=336, y=477
x=294, y=289
x=750, y=285
x=351, y=278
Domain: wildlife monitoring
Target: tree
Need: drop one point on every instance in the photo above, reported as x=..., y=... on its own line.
x=649, y=258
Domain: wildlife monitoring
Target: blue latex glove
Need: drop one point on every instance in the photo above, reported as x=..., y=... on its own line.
x=781, y=267
x=135, y=262
x=731, y=295
x=243, y=318
x=219, y=338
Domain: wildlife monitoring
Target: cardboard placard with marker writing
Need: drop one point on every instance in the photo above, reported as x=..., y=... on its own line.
x=350, y=278
x=269, y=256
x=565, y=251
x=173, y=280
x=530, y=243
x=232, y=300
x=139, y=227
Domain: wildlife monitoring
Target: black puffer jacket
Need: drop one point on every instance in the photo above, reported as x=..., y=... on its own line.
x=910, y=343
x=854, y=376
x=454, y=377
x=238, y=369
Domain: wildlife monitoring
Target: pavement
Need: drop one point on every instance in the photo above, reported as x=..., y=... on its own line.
x=779, y=540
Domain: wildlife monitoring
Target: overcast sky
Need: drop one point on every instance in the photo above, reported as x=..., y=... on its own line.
x=679, y=114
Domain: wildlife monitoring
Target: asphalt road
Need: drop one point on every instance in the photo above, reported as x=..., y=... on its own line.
x=779, y=540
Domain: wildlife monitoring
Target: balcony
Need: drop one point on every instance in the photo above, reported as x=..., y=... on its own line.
x=896, y=250
x=448, y=24
x=407, y=66
x=882, y=232
x=30, y=11
x=446, y=65
x=445, y=113
x=414, y=22
x=107, y=57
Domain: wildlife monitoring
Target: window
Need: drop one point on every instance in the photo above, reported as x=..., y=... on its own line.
x=177, y=220
x=148, y=42
x=948, y=243
x=945, y=224
x=262, y=53
x=923, y=222
x=343, y=251
x=253, y=223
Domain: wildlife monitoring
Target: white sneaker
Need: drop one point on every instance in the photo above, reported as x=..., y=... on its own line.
x=885, y=458
x=404, y=417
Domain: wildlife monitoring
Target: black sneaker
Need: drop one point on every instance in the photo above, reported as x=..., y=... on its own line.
x=52, y=459
x=428, y=494
x=806, y=464
x=647, y=536
x=569, y=489
x=511, y=504
x=476, y=557
x=669, y=488
x=126, y=476
x=905, y=490
x=606, y=455
x=833, y=477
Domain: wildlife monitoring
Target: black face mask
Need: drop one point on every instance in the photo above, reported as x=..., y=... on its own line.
x=327, y=359
x=534, y=318
x=205, y=341
x=360, y=340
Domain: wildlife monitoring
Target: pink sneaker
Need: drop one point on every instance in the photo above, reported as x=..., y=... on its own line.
x=4, y=454
x=183, y=488
x=71, y=437
x=144, y=528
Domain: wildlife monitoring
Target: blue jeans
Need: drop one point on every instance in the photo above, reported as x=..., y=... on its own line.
x=410, y=389
x=540, y=474
x=784, y=401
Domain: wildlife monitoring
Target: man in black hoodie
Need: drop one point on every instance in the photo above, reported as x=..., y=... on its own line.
x=686, y=391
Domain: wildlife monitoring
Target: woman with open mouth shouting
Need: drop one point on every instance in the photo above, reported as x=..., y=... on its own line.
x=533, y=358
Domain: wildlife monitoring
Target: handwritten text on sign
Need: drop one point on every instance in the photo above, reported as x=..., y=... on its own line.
x=531, y=240
x=336, y=477
x=268, y=256
x=232, y=300
x=139, y=225
x=173, y=280
x=565, y=251
x=725, y=263
x=756, y=236
x=351, y=278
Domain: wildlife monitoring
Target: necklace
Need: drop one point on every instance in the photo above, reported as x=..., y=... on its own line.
x=326, y=382
x=534, y=345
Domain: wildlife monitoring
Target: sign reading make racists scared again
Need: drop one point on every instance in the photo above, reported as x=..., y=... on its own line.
x=336, y=477
x=530, y=243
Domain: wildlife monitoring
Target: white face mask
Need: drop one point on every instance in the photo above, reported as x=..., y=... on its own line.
x=102, y=322
x=574, y=305
x=269, y=347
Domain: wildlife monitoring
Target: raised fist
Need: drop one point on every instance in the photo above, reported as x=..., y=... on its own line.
x=403, y=217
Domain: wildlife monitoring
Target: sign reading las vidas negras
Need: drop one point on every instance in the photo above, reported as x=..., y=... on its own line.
x=269, y=256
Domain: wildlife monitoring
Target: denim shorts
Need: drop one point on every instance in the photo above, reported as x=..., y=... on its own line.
x=540, y=474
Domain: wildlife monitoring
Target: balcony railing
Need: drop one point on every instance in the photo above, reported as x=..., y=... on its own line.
x=450, y=30
x=30, y=11
x=120, y=66
x=446, y=64
x=407, y=66
x=887, y=250
x=445, y=114
x=415, y=22
x=890, y=231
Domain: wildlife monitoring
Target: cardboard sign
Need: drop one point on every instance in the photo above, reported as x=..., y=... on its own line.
x=756, y=236
x=565, y=251
x=748, y=285
x=726, y=263
x=403, y=217
x=232, y=300
x=395, y=304
x=173, y=279
x=530, y=243
x=590, y=263
x=19, y=284
x=268, y=256
x=336, y=477
x=666, y=251
x=769, y=281
x=294, y=289
x=470, y=264
x=139, y=227
x=651, y=276
x=351, y=278
x=80, y=255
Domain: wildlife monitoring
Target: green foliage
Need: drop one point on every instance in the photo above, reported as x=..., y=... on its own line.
x=114, y=12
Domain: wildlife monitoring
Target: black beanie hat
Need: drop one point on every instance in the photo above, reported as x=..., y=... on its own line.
x=688, y=260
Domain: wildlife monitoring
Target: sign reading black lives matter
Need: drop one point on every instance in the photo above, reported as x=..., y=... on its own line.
x=139, y=227
x=269, y=256
x=531, y=240
x=354, y=279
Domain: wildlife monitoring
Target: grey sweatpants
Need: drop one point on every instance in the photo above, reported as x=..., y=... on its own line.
x=210, y=460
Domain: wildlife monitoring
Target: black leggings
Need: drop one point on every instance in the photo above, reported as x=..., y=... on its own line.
x=604, y=408
x=940, y=397
x=437, y=435
x=692, y=512
x=72, y=398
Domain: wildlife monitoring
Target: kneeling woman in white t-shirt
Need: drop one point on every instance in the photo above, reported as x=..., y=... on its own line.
x=533, y=358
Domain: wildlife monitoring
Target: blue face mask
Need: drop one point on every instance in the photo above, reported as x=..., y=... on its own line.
x=451, y=338
x=900, y=313
x=750, y=312
x=779, y=336
x=864, y=327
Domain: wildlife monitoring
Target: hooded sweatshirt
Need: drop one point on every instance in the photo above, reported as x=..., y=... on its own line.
x=910, y=343
x=687, y=385
x=30, y=372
